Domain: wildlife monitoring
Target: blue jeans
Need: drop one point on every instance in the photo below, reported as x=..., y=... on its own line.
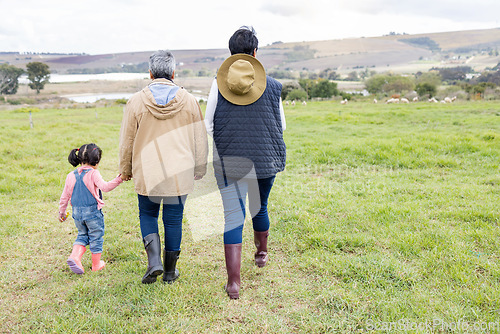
x=173, y=210
x=90, y=224
x=234, y=193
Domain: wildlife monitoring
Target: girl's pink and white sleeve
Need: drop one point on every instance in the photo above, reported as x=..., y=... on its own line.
x=103, y=185
x=67, y=192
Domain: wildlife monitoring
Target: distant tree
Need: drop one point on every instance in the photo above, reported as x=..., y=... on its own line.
x=319, y=88
x=399, y=84
x=9, y=78
x=313, y=76
x=324, y=89
x=278, y=74
x=38, y=74
x=186, y=72
x=333, y=75
x=386, y=83
x=329, y=74
x=427, y=83
x=426, y=89
x=376, y=83
x=204, y=73
x=306, y=85
x=477, y=89
x=433, y=78
x=454, y=74
x=346, y=96
x=288, y=87
x=489, y=76
x=366, y=74
x=352, y=76
x=297, y=94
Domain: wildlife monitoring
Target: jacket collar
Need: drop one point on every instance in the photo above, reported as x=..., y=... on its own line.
x=163, y=81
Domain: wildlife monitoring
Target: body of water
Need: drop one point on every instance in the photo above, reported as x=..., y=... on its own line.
x=91, y=98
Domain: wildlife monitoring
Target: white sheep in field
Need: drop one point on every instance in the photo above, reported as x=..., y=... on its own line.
x=293, y=103
x=447, y=100
x=287, y=103
x=453, y=99
x=304, y=103
x=344, y=101
x=404, y=100
x=392, y=100
x=433, y=99
x=415, y=99
x=375, y=101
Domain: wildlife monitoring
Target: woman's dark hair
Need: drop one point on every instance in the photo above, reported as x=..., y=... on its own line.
x=87, y=154
x=243, y=41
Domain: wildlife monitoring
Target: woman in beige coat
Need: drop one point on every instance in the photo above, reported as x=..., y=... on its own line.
x=163, y=146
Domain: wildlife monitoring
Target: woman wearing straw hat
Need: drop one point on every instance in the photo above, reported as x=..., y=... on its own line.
x=245, y=117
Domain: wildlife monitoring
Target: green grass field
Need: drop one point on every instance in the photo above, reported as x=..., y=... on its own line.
x=385, y=219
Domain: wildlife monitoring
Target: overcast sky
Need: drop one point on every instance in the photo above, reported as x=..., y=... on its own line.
x=112, y=26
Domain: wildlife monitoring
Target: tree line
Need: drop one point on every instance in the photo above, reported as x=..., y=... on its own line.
x=38, y=75
x=426, y=84
x=384, y=84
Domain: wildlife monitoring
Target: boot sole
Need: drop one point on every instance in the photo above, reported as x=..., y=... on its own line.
x=151, y=278
x=170, y=281
x=261, y=261
x=232, y=295
x=74, y=267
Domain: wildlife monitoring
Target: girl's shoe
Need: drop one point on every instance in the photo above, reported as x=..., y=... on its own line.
x=75, y=259
x=97, y=263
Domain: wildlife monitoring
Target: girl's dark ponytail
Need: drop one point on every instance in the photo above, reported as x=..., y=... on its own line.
x=87, y=154
x=73, y=158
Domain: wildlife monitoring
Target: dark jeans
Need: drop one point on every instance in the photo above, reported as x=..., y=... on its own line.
x=173, y=209
x=234, y=193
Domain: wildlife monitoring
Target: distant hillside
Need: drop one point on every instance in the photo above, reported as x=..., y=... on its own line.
x=398, y=53
x=471, y=40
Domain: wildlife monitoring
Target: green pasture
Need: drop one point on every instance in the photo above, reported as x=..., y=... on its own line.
x=385, y=220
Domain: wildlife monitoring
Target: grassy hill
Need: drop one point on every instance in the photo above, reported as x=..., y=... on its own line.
x=397, y=53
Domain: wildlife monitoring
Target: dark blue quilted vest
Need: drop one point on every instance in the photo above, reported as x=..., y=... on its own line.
x=250, y=136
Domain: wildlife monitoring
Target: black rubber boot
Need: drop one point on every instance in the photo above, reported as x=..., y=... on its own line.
x=153, y=248
x=170, y=260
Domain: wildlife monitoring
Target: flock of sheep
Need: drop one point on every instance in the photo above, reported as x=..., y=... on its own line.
x=293, y=103
x=393, y=99
x=415, y=99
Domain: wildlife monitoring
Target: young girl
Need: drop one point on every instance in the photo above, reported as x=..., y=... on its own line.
x=83, y=187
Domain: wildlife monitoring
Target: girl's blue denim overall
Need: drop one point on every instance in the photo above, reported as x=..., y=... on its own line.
x=89, y=220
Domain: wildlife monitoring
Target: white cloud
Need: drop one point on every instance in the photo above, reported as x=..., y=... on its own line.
x=483, y=10
x=94, y=26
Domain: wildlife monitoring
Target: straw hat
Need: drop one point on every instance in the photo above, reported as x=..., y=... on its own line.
x=241, y=79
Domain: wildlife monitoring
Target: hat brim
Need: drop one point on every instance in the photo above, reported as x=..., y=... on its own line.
x=257, y=89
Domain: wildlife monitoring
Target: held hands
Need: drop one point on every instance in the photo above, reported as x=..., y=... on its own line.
x=125, y=178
